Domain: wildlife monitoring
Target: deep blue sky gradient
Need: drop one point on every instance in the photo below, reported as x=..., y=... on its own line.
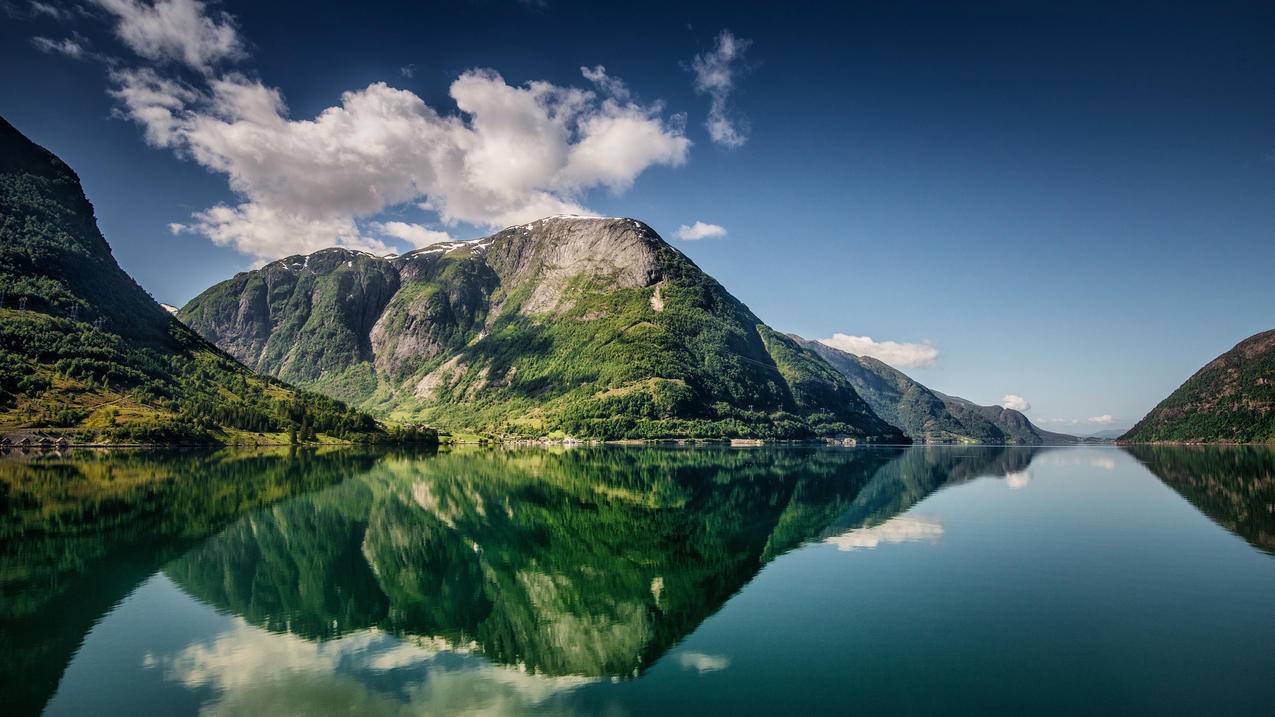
x=1074, y=202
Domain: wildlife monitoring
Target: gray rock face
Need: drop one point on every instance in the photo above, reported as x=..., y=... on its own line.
x=585, y=324
x=398, y=330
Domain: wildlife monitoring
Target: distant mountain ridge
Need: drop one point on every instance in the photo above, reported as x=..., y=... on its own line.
x=582, y=326
x=1230, y=399
x=926, y=415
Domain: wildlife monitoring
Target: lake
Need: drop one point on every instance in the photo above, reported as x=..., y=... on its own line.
x=639, y=580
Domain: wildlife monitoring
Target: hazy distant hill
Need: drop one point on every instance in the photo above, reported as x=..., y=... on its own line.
x=593, y=327
x=1230, y=399
x=926, y=415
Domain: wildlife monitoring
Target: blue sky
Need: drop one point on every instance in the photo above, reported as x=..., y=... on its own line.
x=1067, y=202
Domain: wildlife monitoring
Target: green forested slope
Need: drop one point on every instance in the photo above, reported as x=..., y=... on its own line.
x=86, y=351
x=591, y=327
x=1230, y=399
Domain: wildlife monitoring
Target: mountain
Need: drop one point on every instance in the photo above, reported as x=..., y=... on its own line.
x=1233, y=485
x=1231, y=399
x=928, y=416
x=589, y=327
x=1108, y=434
x=86, y=352
x=642, y=545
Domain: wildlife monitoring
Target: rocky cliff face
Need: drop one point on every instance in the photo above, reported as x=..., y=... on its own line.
x=590, y=326
x=928, y=416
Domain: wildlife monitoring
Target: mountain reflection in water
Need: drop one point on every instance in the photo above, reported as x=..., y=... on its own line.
x=526, y=571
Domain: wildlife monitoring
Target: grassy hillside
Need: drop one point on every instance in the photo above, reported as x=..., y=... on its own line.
x=85, y=352
x=574, y=326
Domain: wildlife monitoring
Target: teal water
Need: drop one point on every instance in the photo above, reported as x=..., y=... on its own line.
x=618, y=581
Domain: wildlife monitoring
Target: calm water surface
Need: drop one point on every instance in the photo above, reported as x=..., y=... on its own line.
x=639, y=581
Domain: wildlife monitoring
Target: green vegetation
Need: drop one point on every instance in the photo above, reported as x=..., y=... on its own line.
x=1231, y=399
x=590, y=561
x=496, y=338
x=928, y=416
x=82, y=531
x=85, y=352
x=1233, y=485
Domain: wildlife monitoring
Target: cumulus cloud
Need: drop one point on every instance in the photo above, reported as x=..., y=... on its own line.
x=414, y=234
x=900, y=529
x=700, y=230
x=512, y=154
x=897, y=354
x=716, y=74
x=236, y=663
x=181, y=31
x=1103, y=420
x=1016, y=402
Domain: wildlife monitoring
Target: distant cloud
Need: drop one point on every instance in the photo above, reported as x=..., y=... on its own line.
x=608, y=84
x=181, y=31
x=49, y=10
x=1015, y=402
x=701, y=662
x=1018, y=480
x=1105, y=419
x=900, y=529
x=899, y=355
x=74, y=48
x=699, y=230
x=716, y=74
x=408, y=71
x=414, y=234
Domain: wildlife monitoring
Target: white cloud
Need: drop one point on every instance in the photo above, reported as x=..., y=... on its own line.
x=1103, y=420
x=900, y=529
x=74, y=48
x=53, y=11
x=1016, y=402
x=897, y=354
x=249, y=670
x=700, y=230
x=414, y=234
x=513, y=154
x=716, y=74
x=1018, y=480
x=612, y=86
x=175, y=31
x=701, y=662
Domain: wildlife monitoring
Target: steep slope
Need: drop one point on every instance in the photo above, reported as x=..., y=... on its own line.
x=1016, y=427
x=588, y=326
x=1230, y=399
x=85, y=351
x=926, y=415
